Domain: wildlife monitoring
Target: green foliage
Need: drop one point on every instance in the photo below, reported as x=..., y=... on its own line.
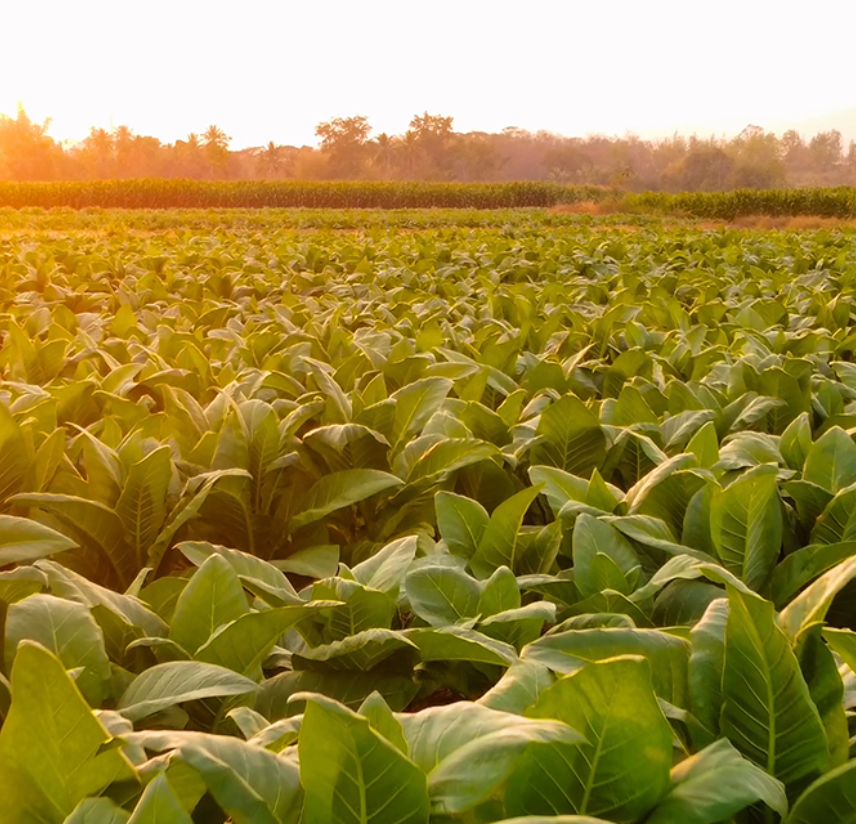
x=452, y=525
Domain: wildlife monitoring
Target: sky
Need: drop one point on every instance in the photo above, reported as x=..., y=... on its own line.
x=266, y=70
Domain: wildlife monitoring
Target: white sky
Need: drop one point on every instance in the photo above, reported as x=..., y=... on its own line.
x=270, y=70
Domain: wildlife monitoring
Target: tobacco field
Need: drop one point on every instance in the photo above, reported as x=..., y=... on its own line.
x=395, y=520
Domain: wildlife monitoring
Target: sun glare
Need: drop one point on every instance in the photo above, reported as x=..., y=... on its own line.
x=272, y=70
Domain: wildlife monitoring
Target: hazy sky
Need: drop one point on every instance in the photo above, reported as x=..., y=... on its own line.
x=265, y=70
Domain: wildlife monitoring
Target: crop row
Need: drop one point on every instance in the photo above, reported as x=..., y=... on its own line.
x=451, y=525
x=837, y=202
x=197, y=194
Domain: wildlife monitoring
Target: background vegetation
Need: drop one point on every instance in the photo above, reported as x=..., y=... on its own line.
x=353, y=195
x=430, y=149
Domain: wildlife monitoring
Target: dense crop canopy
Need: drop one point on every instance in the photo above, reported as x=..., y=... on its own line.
x=530, y=520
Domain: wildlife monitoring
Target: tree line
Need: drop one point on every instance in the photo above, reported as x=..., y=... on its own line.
x=431, y=149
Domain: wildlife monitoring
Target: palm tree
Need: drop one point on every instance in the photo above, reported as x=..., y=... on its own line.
x=271, y=160
x=384, y=151
x=101, y=147
x=217, y=148
x=123, y=141
x=410, y=149
x=215, y=136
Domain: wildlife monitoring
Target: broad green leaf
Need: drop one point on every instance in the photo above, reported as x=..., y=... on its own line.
x=500, y=544
x=831, y=461
x=803, y=566
x=415, y=404
x=159, y=805
x=640, y=491
x=339, y=490
x=351, y=774
x=249, y=783
x=53, y=751
x=567, y=652
x=707, y=660
x=69, y=631
x=705, y=446
x=167, y=685
x=812, y=604
x=243, y=645
x=348, y=446
x=97, y=811
x=99, y=526
x=395, y=684
x=713, y=785
x=837, y=521
x=16, y=457
x=21, y=582
x=23, y=541
x=438, y=733
x=442, y=458
x=248, y=721
x=313, y=562
x=263, y=440
x=363, y=609
x=361, y=652
x=250, y=570
x=474, y=772
x=767, y=710
x=820, y=670
x=386, y=568
x=461, y=522
x=795, y=442
x=746, y=525
x=142, y=505
x=519, y=687
x=499, y=593
x=442, y=595
x=843, y=643
x=194, y=497
x=654, y=532
x=622, y=769
x=571, y=438
x=73, y=587
x=382, y=719
x=810, y=500
x=594, y=543
x=831, y=798
x=559, y=487
x=460, y=644
x=213, y=597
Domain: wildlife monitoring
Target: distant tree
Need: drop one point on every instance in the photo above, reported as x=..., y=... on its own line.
x=567, y=161
x=148, y=157
x=410, y=151
x=188, y=158
x=436, y=139
x=384, y=151
x=123, y=147
x=704, y=168
x=216, y=144
x=477, y=157
x=98, y=151
x=26, y=150
x=826, y=149
x=758, y=163
x=344, y=140
x=792, y=147
x=271, y=161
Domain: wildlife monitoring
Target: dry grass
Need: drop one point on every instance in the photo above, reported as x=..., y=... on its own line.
x=764, y=223
x=588, y=207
